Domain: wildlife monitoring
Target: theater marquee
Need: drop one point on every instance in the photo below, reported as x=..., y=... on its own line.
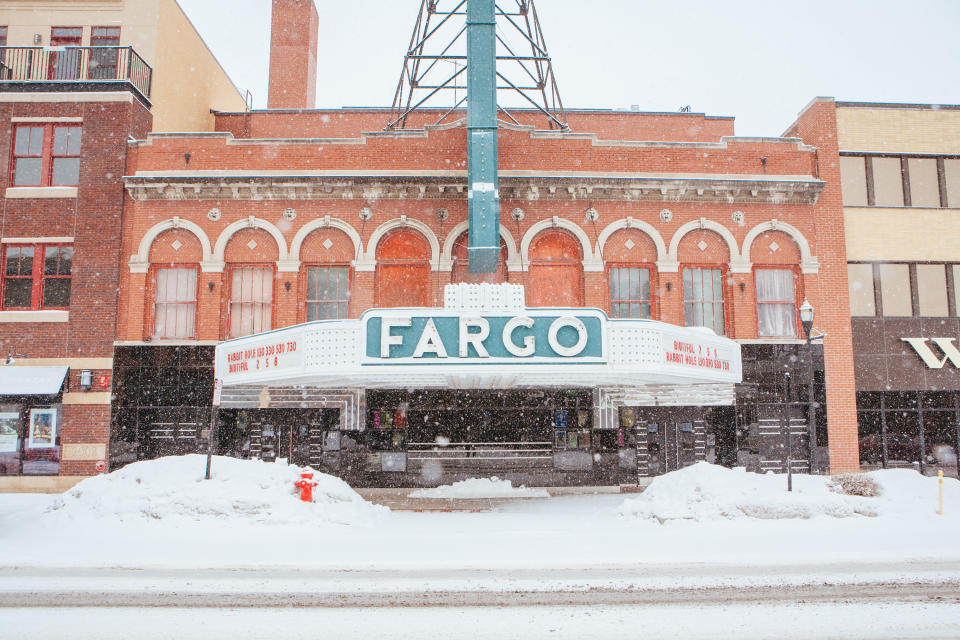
x=483, y=337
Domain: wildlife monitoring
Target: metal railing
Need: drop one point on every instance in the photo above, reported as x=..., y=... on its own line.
x=74, y=65
x=479, y=450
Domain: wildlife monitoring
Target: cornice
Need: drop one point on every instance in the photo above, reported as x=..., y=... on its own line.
x=728, y=189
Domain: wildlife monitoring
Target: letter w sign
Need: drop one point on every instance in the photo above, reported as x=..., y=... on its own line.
x=926, y=354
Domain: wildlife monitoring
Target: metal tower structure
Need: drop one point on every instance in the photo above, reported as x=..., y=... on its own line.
x=434, y=74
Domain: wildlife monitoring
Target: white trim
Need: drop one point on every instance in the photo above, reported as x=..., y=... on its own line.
x=446, y=256
x=76, y=96
x=284, y=262
x=808, y=262
x=38, y=240
x=86, y=397
x=140, y=261
x=34, y=316
x=590, y=263
x=41, y=192
x=369, y=260
x=19, y=119
x=632, y=223
x=326, y=222
x=163, y=343
x=737, y=264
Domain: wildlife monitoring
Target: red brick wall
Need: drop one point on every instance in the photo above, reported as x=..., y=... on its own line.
x=293, y=55
x=352, y=123
x=817, y=126
x=94, y=220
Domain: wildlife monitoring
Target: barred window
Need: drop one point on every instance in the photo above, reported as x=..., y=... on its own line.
x=251, y=300
x=176, y=303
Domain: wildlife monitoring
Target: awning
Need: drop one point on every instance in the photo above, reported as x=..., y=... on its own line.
x=31, y=381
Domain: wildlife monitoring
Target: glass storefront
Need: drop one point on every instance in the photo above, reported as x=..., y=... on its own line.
x=29, y=439
x=918, y=429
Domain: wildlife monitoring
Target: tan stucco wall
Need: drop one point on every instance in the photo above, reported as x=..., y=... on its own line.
x=893, y=130
x=910, y=234
x=188, y=80
x=137, y=20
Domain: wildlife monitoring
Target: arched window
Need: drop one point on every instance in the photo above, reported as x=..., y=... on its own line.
x=461, y=266
x=325, y=275
x=776, y=273
x=251, y=256
x=703, y=257
x=630, y=257
x=175, y=257
x=403, y=270
x=556, y=271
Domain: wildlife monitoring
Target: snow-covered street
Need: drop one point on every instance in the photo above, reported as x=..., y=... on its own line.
x=604, y=565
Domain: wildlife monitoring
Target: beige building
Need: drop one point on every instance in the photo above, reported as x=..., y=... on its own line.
x=181, y=78
x=900, y=169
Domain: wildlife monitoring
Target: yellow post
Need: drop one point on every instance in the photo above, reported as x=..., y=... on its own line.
x=940, y=500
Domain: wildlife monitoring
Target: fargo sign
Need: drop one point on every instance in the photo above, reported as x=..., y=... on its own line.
x=551, y=336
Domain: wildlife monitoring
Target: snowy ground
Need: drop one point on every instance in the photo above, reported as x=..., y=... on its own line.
x=619, y=563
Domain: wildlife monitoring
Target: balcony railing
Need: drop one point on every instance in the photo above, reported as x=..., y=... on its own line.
x=69, y=68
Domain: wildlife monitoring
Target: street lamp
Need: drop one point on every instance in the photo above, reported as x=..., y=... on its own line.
x=806, y=320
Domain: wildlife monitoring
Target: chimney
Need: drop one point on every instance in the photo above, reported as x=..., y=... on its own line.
x=293, y=55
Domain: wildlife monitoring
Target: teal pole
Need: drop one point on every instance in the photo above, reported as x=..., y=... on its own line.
x=483, y=248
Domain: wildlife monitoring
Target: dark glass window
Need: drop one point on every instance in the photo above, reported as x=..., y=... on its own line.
x=46, y=155
x=37, y=277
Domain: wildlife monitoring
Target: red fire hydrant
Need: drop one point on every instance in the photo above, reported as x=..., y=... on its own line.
x=306, y=486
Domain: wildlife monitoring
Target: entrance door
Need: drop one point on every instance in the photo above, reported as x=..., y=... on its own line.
x=65, y=65
x=669, y=438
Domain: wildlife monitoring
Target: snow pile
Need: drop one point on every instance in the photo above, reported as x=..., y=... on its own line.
x=709, y=492
x=174, y=488
x=480, y=488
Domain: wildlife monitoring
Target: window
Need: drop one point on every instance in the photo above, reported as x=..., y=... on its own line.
x=776, y=303
x=932, y=290
x=65, y=63
x=175, y=311
x=887, y=182
x=629, y=292
x=703, y=298
x=860, y=282
x=328, y=291
x=853, y=177
x=895, y=296
x=46, y=155
x=951, y=172
x=251, y=300
x=103, y=62
x=926, y=181
x=36, y=277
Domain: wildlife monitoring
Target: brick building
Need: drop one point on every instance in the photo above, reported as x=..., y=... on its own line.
x=900, y=175
x=296, y=215
x=77, y=82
